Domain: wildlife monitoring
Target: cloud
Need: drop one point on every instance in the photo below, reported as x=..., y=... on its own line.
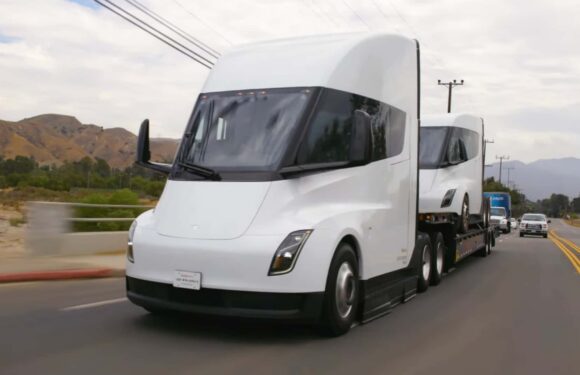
x=519, y=59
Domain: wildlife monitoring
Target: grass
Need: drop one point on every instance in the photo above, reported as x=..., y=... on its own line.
x=16, y=221
x=573, y=222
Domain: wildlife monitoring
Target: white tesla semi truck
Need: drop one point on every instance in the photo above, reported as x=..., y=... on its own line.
x=294, y=191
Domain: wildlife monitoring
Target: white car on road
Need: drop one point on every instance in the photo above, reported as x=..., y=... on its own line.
x=534, y=224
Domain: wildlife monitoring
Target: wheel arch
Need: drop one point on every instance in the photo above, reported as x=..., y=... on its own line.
x=352, y=241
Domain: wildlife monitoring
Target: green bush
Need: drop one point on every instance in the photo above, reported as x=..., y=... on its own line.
x=120, y=197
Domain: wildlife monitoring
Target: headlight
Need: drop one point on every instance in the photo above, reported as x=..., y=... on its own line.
x=288, y=251
x=130, y=242
x=448, y=198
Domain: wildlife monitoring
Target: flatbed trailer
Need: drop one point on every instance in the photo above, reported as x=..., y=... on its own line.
x=480, y=238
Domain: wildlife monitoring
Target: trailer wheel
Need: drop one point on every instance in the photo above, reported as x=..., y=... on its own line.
x=342, y=293
x=463, y=223
x=424, y=268
x=438, y=260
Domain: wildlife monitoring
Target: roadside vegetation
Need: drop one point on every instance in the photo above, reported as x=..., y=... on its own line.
x=22, y=179
x=557, y=205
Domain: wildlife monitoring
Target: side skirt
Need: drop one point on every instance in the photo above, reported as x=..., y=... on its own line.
x=382, y=293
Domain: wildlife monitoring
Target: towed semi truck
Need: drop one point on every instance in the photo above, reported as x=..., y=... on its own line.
x=294, y=192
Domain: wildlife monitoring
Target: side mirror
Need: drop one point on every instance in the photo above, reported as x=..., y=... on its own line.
x=360, y=142
x=144, y=154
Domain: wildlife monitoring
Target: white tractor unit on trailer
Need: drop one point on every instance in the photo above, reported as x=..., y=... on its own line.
x=293, y=194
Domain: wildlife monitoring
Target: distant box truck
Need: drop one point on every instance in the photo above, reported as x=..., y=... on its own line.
x=502, y=200
x=294, y=192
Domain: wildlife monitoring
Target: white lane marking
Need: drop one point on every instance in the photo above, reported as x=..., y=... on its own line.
x=94, y=304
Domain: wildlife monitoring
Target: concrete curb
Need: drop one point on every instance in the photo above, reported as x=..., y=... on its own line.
x=71, y=274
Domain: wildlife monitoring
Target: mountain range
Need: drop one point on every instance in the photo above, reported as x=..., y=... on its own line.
x=541, y=178
x=54, y=139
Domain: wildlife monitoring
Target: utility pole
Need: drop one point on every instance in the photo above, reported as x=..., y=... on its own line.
x=450, y=86
x=509, y=169
x=501, y=159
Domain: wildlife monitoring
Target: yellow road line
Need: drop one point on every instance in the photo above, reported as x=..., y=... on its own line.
x=569, y=254
x=566, y=241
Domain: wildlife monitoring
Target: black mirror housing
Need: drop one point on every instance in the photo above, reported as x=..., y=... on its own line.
x=360, y=143
x=144, y=153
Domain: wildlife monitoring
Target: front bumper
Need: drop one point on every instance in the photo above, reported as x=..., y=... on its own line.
x=292, y=306
x=539, y=232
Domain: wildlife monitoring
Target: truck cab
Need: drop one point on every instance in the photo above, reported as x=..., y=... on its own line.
x=451, y=167
x=294, y=190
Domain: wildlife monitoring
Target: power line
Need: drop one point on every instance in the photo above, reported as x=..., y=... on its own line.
x=320, y=12
x=203, y=22
x=208, y=64
x=171, y=26
x=357, y=15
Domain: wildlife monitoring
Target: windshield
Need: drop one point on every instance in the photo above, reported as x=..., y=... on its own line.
x=532, y=217
x=245, y=130
x=431, y=146
x=498, y=211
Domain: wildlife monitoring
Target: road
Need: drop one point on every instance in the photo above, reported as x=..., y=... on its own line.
x=514, y=312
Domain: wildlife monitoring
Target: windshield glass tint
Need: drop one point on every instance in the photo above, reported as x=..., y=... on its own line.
x=431, y=147
x=534, y=218
x=497, y=211
x=246, y=130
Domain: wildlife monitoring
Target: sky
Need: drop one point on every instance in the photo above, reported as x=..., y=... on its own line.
x=520, y=60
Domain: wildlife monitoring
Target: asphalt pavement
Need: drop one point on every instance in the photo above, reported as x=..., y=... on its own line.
x=514, y=312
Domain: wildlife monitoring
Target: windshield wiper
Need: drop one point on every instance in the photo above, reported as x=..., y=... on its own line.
x=208, y=173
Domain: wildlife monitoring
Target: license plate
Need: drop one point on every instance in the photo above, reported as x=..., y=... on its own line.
x=187, y=280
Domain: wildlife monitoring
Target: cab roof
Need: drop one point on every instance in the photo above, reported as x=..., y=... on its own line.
x=461, y=120
x=376, y=65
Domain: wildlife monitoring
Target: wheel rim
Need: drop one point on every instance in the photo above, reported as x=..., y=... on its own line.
x=345, y=289
x=426, y=262
x=439, y=260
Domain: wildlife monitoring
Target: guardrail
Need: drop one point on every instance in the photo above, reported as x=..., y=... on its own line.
x=50, y=224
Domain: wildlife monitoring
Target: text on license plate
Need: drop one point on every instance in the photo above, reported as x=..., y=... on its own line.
x=187, y=280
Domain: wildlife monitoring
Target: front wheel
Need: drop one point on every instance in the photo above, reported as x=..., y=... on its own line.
x=342, y=293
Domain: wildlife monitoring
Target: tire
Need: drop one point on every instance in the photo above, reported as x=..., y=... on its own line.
x=438, y=260
x=521, y=234
x=424, y=267
x=463, y=222
x=342, y=293
x=486, y=249
x=485, y=213
x=545, y=236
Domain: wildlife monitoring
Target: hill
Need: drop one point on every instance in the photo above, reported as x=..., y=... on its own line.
x=53, y=139
x=541, y=178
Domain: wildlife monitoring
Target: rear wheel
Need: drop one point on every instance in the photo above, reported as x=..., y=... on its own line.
x=424, y=268
x=342, y=292
x=437, y=261
x=545, y=236
x=521, y=234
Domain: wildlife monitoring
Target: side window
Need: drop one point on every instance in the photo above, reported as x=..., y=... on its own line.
x=471, y=141
x=454, y=149
x=329, y=133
